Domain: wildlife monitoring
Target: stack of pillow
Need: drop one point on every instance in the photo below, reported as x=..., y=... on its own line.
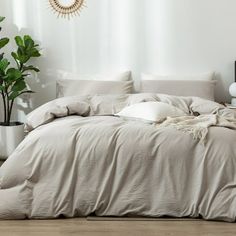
x=202, y=85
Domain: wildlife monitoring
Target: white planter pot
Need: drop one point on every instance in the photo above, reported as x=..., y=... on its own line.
x=10, y=137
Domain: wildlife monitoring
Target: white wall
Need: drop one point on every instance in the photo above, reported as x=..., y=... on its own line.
x=166, y=36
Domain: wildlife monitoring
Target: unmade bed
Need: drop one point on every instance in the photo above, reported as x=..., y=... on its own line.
x=80, y=158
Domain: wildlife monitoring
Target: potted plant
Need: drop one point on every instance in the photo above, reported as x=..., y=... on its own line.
x=12, y=85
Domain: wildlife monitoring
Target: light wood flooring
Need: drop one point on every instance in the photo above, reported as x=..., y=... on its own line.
x=82, y=227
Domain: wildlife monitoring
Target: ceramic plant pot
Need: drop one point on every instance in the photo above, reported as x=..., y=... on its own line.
x=10, y=137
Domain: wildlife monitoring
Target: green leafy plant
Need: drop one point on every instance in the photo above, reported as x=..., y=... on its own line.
x=12, y=78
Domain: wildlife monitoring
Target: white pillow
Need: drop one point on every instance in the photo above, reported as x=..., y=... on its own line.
x=151, y=111
x=122, y=76
x=203, y=76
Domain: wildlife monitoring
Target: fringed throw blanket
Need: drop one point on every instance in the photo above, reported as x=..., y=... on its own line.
x=198, y=126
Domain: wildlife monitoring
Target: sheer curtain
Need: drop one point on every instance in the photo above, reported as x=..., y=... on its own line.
x=165, y=36
x=109, y=35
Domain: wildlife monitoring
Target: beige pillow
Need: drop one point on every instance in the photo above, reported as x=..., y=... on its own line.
x=67, y=87
x=196, y=88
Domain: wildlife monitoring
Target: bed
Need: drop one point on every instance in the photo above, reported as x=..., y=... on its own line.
x=80, y=158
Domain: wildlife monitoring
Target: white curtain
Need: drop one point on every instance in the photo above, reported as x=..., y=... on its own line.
x=109, y=36
x=166, y=36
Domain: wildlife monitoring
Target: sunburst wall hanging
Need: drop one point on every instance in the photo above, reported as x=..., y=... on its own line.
x=67, y=10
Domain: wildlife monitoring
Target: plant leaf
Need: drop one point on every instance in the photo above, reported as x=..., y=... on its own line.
x=19, y=86
x=29, y=42
x=13, y=74
x=2, y=18
x=22, y=55
x=4, y=42
x=19, y=41
x=14, y=55
x=27, y=91
x=4, y=63
x=26, y=68
x=35, y=53
x=27, y=37
x=13, y=95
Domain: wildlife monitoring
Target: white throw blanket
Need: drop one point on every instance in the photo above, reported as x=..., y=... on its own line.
x=198, y=126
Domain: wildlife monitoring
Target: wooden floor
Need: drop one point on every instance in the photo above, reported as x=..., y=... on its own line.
x=82, y=227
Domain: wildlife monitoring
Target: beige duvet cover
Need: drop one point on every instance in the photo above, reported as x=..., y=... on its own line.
x=79, y=159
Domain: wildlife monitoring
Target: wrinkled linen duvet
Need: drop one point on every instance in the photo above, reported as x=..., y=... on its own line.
x=79, y=159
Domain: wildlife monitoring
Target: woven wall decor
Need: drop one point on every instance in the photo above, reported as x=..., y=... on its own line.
x=67, y=11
